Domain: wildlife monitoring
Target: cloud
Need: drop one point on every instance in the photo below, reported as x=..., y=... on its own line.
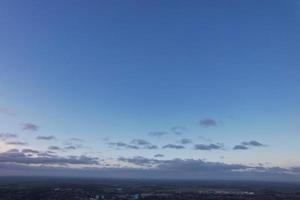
x=208, y=147
x=70, y=147
x=54, y=148
x=247, y=145
x=253, y=143
x=16, y=143
x=22, y=158
x=208, y=122
x=30, y=127
x=73, y=146
x=240, y=147
x=198, y=165
x=140, y=142
x=173, y=146
x=76, y=140
x=185, y=141
x=123, y=145
x=140, y=161
x=143, y=143
x=74, y=143
x=158, y=133
x=6, y=136
x=159, y=155
x=51, y=137
x=46, y=154
x=6, y=111
x=15, y=163
x=205, y=139
x=178, y=130
x=185, y=166
x=30, y=151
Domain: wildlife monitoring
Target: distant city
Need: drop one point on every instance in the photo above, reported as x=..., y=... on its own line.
x=113, y=189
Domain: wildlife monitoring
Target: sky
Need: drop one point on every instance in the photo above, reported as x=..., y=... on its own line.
x=177, y=89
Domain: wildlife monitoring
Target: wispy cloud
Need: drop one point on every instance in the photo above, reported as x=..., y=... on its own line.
x=205, y=139
x=253, y=143
x=54, y=148
x=70, y=147
x=159, y=155
x=51, y=137
x=143, y=144
x=185, y=141
x=30, y=127
x=123, y=145
x=6, y=136
x=17, y=143
x=240, y=147
x=73, y=139
x=247, y=145
x=173, y=146
x=178, y=130
x=31, y=151
x=208, y=147
x=6, y=111
x=158, y=133
x=208, y=122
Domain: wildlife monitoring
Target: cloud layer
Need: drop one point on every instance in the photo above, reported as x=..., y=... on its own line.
x=17, y=157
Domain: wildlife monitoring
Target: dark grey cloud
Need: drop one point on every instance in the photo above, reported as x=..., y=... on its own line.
x=22, y=158
x=208, y=147
x=70, y=147
x=253, y=143
x=158, y=133
x=185, y=141
x=185, y=165
x=140, y=161
x=198, y=165
x=159, y=155
x=7, y=135
x=46, y=154
x=208, y=122
x=173, y=146
x=247, y=145
x=12, y=151
x=54, y=148
x=123, y=145
x=50, y=137
x=178, y=130
x=16, y=143
x=30, y=127
x=143, y=144
x=30, y=151
x=240, y=147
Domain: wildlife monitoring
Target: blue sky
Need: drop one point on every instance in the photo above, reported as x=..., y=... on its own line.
x=222, y=72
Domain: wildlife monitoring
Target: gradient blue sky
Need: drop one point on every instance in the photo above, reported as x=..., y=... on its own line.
x=114, y=71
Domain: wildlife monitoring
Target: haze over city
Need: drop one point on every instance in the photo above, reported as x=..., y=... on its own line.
x=203, y=90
